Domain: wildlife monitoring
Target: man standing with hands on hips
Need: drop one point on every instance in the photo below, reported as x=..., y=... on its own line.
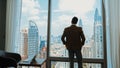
x=73, y=38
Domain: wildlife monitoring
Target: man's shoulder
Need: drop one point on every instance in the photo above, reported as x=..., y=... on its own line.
x=79, y=27
x=67, y=27
x=70, y=27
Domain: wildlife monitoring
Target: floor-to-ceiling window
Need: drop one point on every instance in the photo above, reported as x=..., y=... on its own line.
x=89, y=13
x=90, y=19
x=33, y=29
x=34, y=34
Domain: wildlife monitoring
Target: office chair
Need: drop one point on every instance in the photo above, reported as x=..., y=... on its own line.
x=8, y=59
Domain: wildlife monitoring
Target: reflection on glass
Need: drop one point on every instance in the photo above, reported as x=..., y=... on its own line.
x=90, y=19
x=33, y=30
x=55, y=64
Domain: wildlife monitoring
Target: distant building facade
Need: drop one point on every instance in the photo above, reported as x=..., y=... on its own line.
x=24, y=43
x=33, y=39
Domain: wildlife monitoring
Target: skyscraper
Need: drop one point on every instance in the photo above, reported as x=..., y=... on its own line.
x=42, y=44
x=33, y=39
x=24, y=43
x=80, y=23
x=98, y=37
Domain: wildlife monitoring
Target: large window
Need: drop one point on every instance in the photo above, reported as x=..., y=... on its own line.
x=41, y=27
x=89, y=13
x=33, y=29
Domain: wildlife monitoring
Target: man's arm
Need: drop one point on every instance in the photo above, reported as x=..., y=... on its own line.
x=83, y=37
x=63, y=38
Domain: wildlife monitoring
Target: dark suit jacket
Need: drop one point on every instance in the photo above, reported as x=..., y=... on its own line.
x=73, y=37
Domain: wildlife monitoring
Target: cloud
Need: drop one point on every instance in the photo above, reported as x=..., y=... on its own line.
x=76, y=6
x=30, y=7
x=34, y=18
x=65, y=18
x=58, y=25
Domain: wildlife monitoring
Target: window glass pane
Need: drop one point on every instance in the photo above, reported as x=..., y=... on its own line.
x=56, y=64
x=89, y=13
x=33, y=29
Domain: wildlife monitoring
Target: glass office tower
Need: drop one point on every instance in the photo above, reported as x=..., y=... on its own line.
x=33, y=40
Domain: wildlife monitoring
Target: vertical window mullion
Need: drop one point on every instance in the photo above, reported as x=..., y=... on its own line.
x=104, y=34
x=48, y=63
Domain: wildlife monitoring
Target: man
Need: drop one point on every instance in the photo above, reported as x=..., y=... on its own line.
x=73, y=37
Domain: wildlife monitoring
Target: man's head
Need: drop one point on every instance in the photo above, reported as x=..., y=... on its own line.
x=74, y=20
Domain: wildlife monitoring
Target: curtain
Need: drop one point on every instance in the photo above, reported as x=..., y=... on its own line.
x=12, y=24
x=113, y=33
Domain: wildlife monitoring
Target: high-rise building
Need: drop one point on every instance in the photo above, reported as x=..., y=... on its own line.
x=24, y=43
x=80, y=23
x=33, y=39
x=98, y=35
x=42, y=44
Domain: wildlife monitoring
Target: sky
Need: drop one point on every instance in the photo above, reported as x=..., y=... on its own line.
x=61, y=14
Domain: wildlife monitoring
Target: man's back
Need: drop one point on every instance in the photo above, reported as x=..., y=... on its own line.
x=74, y=37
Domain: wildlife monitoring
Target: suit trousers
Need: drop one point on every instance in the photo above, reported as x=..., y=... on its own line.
x=78, y=57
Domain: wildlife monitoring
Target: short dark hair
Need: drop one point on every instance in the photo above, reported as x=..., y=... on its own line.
x=74, y=20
